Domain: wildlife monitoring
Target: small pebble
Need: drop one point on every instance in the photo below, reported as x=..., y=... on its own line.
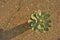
x=2, y=6
x=28, y=8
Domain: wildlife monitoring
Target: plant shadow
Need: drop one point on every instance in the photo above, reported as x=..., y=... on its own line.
x=7, y=35
x=58, y=39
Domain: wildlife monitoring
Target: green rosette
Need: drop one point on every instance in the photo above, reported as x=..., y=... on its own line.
x=40, y=21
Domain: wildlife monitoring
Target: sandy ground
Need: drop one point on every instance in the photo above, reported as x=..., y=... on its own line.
x=14, y=13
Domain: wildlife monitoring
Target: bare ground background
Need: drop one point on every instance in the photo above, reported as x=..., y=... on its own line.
x=14, y=15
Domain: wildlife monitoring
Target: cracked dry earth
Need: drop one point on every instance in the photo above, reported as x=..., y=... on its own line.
x=14, y=15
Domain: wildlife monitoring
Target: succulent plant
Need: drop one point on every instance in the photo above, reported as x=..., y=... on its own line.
x=40, y=21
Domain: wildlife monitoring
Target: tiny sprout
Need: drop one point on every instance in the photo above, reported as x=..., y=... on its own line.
x=39, y=21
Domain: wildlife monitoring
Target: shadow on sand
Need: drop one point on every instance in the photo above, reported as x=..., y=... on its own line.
x=7, y=35
x=58, y=39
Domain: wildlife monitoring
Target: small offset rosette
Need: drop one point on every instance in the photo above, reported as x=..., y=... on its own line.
x=40, y=21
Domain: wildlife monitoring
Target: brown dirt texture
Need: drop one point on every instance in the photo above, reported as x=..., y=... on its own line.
x=14, y=15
